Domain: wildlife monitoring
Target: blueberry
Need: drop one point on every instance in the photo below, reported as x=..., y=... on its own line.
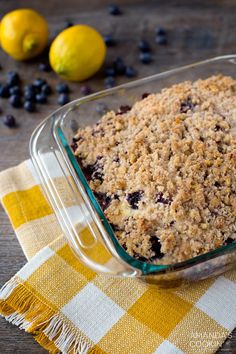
x=44, y=67
x=156, y=247
x=160, y=31
x=130, y=72
x=109, y=82
x=41, y=98
x=9, y=121
x=15, y=90
x=134, y=198
x=123, y=109
x=109, y=40
x=29, y=96
x=5, y=91
x=29, y=88
x=63, y=98
x=29, y=106
x=85, y=90
x=46, y=89
x=62, y=88
x=110, y=71
x=15, y=101
x=38, y=83
x=162, y=200
x=144, y=46
x=145, y=58
x=114, y=10
x=161, y=39
x=119, y=66
x=13, y=78
x=103, y=199
x=145, y=94
x=186, y=105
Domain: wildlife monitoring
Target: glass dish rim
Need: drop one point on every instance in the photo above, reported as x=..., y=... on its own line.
x=145, y=267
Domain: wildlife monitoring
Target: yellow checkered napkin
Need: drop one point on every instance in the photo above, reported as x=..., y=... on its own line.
x=70, y=309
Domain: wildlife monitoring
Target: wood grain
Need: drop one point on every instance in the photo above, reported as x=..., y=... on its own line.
x=196, y=30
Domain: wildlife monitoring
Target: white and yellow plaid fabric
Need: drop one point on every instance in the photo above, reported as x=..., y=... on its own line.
x=71, y=309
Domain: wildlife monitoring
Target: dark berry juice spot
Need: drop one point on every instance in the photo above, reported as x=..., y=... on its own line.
x=156, y=247
x=123, y=109
x=217, y=184
x=186, y=105
x=103, y=199
x=74, y=145
x=134, y=198
x=162, y=200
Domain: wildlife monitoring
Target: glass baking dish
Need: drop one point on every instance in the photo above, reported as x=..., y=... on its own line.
x=79, y=214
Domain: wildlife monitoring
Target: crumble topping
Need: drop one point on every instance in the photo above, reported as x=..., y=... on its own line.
x=164, y=170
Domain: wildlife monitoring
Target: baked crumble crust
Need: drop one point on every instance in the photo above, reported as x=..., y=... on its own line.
x=164, y=171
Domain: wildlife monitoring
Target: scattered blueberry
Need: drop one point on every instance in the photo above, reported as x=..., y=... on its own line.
x=217, y=184
x=186, y=105
x=13, y=78
x=62, y=88
x=119, y=66
x=134, y=198
x=5, y=91
x=109, y=40
x=46, y=89
x=145, y=58
x=109, y=82
x=145, y=94
x=44, y=67
x=29, y=96
x=217, y=128
x=85, y=90
x=156, y=247
x=41, y=98
x=114, y=10
x=144, y=46
x=29, y=106
x=30, y=88
x=101, y=108
x=130, y=71
x=229, y=241
x=38, y=83
x=160, y=31
x=68, y=24
x=63, y=99
x=15, y=101
x=9, y=120
x=123, y=109
x=162, y=200
x=103, y=199
x=161, y=39
x=15, y=90
x=109, y=71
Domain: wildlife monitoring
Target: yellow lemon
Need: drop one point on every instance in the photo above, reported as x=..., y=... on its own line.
x=77, y=53
x=23, y=33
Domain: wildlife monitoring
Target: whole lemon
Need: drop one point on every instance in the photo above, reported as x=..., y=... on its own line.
x=23, y=33
x=77, y=53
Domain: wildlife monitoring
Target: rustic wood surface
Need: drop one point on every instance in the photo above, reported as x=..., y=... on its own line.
x=196, y=30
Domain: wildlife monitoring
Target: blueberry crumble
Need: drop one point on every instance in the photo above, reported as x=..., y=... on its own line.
x=164, y=170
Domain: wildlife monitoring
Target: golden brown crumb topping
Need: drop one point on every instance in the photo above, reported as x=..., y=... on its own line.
x=164, y=171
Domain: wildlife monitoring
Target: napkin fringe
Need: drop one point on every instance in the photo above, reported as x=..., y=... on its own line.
x=27, y=311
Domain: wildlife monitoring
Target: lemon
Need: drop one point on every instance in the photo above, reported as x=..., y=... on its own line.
x=23, y=33
x=77, y=53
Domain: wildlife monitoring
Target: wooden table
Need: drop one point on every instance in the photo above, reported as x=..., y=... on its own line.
x=196, y=30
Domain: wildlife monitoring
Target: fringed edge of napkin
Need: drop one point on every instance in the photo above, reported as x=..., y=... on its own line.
x=23, y=308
